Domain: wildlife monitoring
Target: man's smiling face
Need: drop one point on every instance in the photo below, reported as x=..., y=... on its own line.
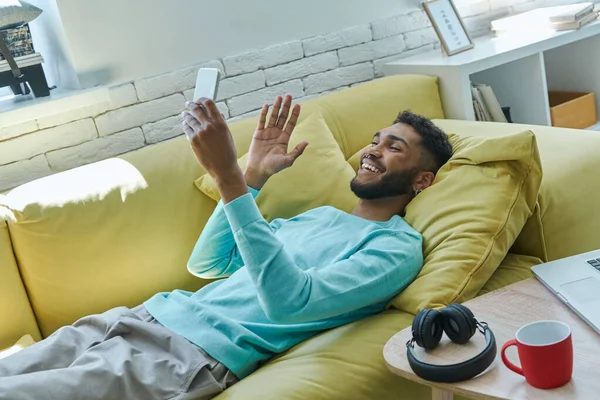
x=390, y=165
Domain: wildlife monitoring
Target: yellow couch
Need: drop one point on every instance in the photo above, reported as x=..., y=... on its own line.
x=116, y=232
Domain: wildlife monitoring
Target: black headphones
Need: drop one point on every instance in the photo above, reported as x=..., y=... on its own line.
x=460, y=325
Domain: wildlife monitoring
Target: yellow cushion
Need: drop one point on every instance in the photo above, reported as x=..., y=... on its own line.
x=514, y=268
x=356, y=114
x=344, y=363
x=25, y=341
x=321, y=176
x=16, y=317
x=569, y=208
x=109, y=234
x=471, y=216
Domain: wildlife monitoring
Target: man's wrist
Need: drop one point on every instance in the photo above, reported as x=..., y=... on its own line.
x=255, y=179
x=231, y=184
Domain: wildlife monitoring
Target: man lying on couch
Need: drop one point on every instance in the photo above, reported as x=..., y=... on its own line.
x=288, y=280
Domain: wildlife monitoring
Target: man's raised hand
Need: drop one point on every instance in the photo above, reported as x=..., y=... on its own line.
x=268, y=152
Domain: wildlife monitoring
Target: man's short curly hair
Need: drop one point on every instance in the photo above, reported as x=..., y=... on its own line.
x=433, y=140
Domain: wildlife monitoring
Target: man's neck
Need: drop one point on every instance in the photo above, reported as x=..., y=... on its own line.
x=381, y=209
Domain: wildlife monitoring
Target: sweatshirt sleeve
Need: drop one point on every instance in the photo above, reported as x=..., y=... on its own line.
x=288, y=294
x=215, y=254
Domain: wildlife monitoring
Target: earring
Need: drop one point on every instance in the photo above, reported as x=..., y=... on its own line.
x=417, y=191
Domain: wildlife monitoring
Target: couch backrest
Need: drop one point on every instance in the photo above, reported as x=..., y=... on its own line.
x=118, y=231
x=16, y=315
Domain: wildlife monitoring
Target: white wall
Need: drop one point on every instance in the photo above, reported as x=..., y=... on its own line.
x=115, y=41
x=50, y=40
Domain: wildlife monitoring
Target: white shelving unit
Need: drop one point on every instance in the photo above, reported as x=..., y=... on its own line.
x=520, y=68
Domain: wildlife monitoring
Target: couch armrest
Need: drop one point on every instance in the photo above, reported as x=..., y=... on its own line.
x=16, y=318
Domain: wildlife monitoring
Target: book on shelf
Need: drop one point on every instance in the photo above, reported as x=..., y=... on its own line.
x=481, y=104
x=18, y=40
x=492, y=103
x=567, y=26
x=571, y=12
x=478, y=115
x=557, y=18
x=486, y=104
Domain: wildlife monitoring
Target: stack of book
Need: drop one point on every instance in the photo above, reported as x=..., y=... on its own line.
x=18, y=40
x=486, y=105
x=559, y=18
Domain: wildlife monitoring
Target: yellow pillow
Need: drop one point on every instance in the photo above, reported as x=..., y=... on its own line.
x=514, y=268
x=471, y=216
x=321, y=176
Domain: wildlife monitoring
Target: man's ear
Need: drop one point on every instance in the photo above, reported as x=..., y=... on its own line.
x=424, y=180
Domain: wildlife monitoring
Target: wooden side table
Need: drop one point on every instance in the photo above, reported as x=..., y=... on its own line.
x=506, y=310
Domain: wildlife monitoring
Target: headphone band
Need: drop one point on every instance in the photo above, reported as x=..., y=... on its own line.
x=455, y=372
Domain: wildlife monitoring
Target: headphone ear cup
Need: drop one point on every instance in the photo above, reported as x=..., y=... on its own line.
x=459, y=323
x=427, y=328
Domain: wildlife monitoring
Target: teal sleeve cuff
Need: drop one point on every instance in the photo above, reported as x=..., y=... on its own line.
x=253, y=192
x=242, y=211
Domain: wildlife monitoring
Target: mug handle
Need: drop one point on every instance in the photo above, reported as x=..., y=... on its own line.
x=505, y=360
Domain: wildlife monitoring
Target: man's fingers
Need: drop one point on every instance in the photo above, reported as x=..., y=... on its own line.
x=197, y=111
x=285, y=110
x=211, y=108
x=289, y=128
x=275, y=111
x=191, y=121
x=189, y=132
x=298, y=150
x=262, y=119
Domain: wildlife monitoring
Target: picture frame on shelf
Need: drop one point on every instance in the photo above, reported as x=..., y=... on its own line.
x=448, y=26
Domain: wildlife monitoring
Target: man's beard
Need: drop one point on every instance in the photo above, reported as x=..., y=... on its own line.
x=390, y=185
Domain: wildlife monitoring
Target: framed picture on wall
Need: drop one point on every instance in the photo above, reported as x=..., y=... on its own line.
x=448, y=26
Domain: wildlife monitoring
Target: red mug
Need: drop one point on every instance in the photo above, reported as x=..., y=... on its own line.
x=546, y=354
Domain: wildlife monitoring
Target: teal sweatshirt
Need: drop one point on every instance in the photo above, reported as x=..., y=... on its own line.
x=287, y=280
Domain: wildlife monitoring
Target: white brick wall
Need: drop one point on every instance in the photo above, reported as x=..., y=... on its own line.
x=122, y=96
x=372, y=50
x=96, y=150
x=241, y=84
x=378, y=64
x=336, y=40
x=338, y=77
x=23, y=171
x=420, y=38
x=171, y=127
x=32, y=144
x=72, y=115
x=468, y=8
x=255, y=100
x=301, y=68
x=269, y=57
x=162, y=130
x=399, y=24
x=139, y=114
x=176, y=81
x=145, y=112
x=10, y=131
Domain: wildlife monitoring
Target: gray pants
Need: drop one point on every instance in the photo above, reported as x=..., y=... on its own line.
x=120, y=354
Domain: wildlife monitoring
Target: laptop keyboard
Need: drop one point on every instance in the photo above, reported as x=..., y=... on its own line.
x=595, y=262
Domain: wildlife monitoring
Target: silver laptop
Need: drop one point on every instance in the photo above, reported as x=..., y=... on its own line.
x=576, y=281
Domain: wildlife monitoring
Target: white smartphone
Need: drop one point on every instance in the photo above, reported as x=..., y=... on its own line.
x=207, y=83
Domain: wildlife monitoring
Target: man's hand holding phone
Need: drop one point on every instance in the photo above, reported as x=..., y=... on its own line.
x=213, y=144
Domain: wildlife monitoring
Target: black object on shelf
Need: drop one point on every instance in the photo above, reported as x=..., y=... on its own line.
x=506, y=111
x=22, y=80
